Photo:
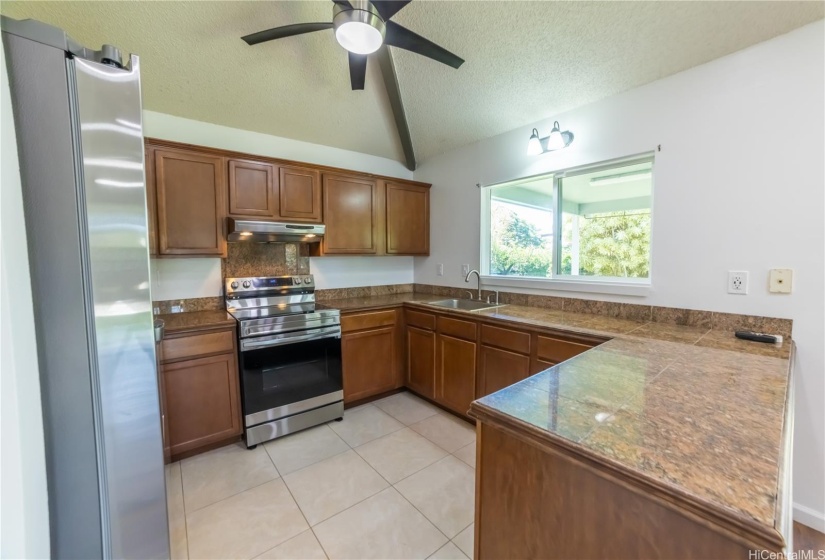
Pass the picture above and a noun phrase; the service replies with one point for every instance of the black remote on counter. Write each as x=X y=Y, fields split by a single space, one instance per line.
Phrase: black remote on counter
x=755 y=336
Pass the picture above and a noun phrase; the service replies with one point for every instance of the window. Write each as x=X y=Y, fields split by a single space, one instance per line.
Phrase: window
x=589 y=224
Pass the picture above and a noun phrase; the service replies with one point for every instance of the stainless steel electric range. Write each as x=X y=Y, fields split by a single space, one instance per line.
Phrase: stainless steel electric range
x=289 y=355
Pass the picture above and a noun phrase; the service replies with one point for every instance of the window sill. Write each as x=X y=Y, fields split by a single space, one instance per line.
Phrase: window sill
x=565 y=285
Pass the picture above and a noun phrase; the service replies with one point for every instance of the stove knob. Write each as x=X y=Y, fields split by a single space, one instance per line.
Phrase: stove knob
x=296 y=281
x=307 y=280
x=246 y=283
x=234 y=285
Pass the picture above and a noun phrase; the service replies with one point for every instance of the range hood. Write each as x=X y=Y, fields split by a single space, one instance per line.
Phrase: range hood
x=263 y=231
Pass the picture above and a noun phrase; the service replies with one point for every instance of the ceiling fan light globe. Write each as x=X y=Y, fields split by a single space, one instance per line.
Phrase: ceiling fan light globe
x=358 y=31
x=358 y=37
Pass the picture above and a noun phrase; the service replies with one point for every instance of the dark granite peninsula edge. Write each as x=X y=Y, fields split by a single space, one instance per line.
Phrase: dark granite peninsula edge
x=673 y=451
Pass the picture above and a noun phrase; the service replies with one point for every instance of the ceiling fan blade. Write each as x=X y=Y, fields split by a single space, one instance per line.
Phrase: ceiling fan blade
x=388 y=8
x=357 y=70
x=285 y=31
x=403 y=38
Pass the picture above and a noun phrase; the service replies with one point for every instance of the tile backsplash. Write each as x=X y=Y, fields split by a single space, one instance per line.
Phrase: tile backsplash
x=265 y=259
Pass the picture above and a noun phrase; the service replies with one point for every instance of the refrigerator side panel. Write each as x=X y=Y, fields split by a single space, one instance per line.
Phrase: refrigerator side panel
x=40 y=94
x=109 y=119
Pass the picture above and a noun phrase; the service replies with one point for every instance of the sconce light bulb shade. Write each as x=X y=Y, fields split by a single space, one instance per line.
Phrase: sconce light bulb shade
x=534 y=144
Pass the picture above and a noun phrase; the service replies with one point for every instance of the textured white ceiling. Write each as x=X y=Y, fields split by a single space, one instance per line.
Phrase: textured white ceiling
x=525 y=61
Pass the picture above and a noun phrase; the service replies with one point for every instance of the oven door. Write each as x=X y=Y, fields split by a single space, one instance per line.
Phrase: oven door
x=286 y=374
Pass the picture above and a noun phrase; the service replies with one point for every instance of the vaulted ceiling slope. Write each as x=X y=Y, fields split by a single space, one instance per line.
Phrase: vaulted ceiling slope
x=525 y=61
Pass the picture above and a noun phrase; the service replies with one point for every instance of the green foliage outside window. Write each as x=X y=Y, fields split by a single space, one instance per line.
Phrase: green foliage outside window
x=615 y=244
x=517 y=248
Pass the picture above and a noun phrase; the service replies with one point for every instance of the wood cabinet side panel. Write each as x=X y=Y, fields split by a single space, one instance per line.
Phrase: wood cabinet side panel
x=534 y=504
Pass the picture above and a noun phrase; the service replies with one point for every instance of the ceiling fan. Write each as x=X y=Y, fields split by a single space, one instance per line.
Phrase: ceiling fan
x=361 y=27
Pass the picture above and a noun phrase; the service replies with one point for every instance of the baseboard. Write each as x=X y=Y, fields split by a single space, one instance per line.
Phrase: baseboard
x=807 y=516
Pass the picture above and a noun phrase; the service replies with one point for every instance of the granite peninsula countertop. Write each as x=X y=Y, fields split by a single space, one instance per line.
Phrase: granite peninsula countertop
x=195 y=320
x=693 y=411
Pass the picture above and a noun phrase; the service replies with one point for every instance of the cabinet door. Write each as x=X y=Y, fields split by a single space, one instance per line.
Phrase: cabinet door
x=368 y=359
x=351 y=216
x=500 y=368
x=191 y=203
x=540 y=365
x=421 y=361
x=299 y=194
x=455 y=385
x=408 y=219
x=252 y=189
x=202 y=401
x=151 y=200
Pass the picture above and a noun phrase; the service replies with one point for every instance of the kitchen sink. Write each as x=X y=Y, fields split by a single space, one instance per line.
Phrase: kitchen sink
x=463 y=304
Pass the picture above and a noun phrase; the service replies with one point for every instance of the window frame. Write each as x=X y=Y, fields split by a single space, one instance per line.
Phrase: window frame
x=558 y=281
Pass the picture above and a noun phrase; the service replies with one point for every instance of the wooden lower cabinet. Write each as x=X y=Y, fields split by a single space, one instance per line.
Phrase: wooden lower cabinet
x=421 y=361
x=200 y=391
x=499 y=368
x=369 y=360
x=202 y=399
x=455 y=385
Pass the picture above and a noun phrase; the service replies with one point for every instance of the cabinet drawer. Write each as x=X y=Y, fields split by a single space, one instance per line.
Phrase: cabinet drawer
x=557 y=350
x=514 y=341
x=420 y=320
x=361 y=321
x=457 y=328
x=197 y=345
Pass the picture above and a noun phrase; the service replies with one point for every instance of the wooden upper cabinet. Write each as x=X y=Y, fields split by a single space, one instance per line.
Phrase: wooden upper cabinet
x=252 y=190
x=299 y=194
x=408 y=219
x=151 y=203
x=190 y=192
x=351 y=216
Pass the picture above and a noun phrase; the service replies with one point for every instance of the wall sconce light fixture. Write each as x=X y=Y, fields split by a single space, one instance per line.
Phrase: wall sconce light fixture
x=556 y=141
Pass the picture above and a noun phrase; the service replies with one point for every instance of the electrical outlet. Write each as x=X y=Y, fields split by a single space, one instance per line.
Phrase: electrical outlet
x=465 y=269
x=439 y=269
x=738 y=282
x=781 y=281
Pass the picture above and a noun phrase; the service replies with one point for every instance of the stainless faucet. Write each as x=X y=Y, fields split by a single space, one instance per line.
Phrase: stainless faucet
x=478 y=276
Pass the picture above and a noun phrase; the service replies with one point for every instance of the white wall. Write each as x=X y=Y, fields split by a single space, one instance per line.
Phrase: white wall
x=349 y=272
x=191 y=278
x=738 y=186
x=194 y=278
x=24 y=508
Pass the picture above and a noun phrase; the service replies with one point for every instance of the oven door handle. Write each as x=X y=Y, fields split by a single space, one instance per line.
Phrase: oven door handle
x=290 y=338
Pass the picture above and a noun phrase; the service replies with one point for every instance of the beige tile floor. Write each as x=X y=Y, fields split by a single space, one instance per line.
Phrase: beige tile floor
x=395 y=479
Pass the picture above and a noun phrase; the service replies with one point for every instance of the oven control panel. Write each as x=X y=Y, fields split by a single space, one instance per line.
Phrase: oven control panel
x=268 y=283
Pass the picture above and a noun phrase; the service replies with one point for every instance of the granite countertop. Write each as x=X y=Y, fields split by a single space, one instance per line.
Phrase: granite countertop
x=375 y=302
x=691 y=410
x=195 y=320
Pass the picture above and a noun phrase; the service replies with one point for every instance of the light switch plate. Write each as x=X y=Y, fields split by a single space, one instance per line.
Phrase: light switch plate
x=465 y=269
x=439 y=269
x=781 y=281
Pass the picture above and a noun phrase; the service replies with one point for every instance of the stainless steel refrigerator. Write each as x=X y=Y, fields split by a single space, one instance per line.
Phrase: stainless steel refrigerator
x=78 y=123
